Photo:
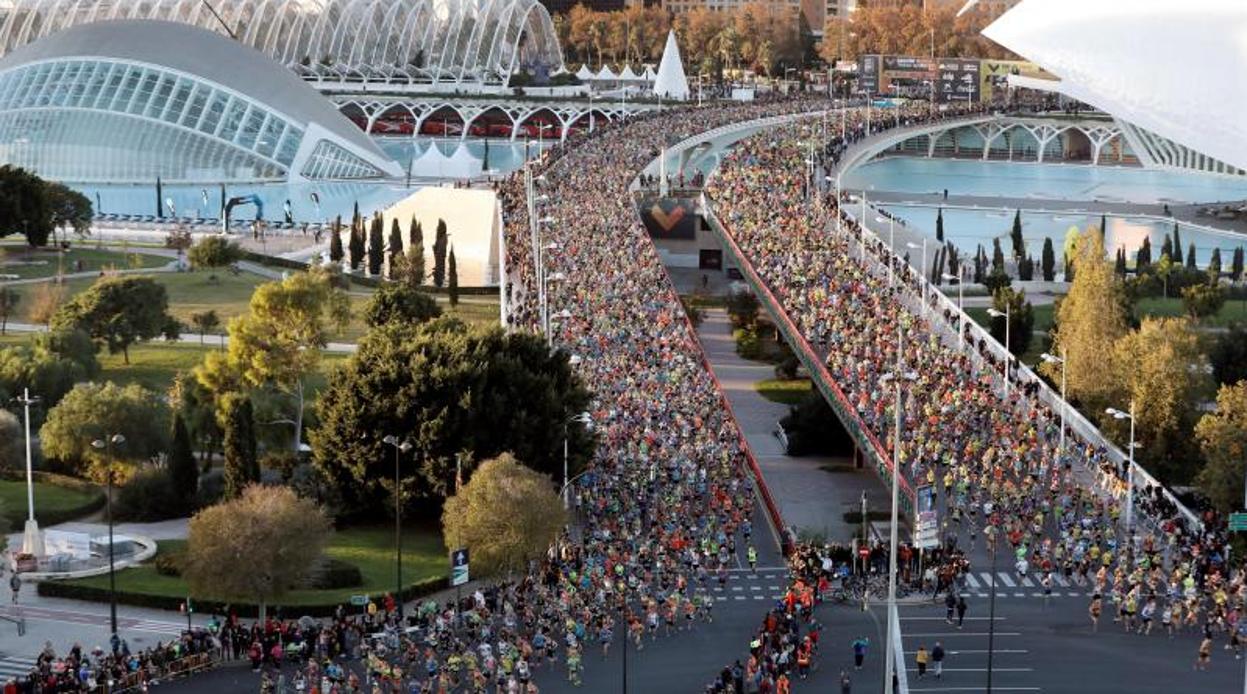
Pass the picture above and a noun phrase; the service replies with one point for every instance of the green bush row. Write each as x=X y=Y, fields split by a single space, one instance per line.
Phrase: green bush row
x=76 y=591
x=334 y=575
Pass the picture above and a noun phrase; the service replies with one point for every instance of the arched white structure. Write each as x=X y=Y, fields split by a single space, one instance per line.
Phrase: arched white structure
x=432 y=41
x=130 y=101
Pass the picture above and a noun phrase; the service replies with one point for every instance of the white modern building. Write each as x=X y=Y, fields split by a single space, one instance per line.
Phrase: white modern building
x=130 y=101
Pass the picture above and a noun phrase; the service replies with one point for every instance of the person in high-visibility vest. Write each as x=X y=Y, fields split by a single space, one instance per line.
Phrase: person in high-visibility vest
x=752 y=554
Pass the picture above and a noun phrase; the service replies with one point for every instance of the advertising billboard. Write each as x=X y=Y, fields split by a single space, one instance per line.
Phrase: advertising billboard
x=957 y=79
x=994 y=75
x=868 y=68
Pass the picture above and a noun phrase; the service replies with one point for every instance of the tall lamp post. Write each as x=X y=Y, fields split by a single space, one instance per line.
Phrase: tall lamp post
x=1118 y=414
x=1008 y=354
x=1053 y=359
x=400 y=447
x=896 y=377
x=961 y=323
x=106 y=445
x=32 y=540
x=583 y=418
x=926 y=271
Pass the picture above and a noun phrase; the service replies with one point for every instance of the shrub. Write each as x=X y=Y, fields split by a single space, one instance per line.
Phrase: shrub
x=149 y=496
x=169 y=563
x=742 y=308
x=335 y=574
x=211 y=488
x=748 y=344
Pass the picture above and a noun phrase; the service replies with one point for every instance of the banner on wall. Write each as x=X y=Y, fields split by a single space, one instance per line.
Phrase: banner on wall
x=957 y=79
x=868 y=69
x=994 y=75
x=669 y=218
x=926 y=519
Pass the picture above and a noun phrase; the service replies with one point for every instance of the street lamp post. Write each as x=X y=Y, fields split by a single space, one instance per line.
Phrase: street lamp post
x=583 y=418
x=107 y=446
x=1008 y=354
x=1053 y=359
x=1118 y=414
x=896 y=377
x=961 y=322
x=925 y=270
x=400 y=447
x=32 y=541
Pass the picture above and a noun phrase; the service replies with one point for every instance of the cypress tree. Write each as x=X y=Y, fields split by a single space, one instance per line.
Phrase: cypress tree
x=1069 y=268
x=1019 y=245
x=376 y=246
x=241 y=466
x=1177 y=245
x=395 y=247
x=440 y=241
x=1214 y=266
x=1048 y=260
x=1026 y=268
x=1143 y=259
x=954 y=260
x=1103 y=225
x=1190 y=256
x=182 y=469
x=415 y=252
x=452 y=278
x=980 y=260
x=335 y=241
x=356 y=244
x=998 y=256
x=939 y=225
x=1166 y=247
x=1236 y=265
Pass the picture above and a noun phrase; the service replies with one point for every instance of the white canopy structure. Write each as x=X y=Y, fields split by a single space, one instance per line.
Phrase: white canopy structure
x=649 y=74
x=606 y=74
x=670 y=81
x=584 y=73
x=628 y=75
x=1189 y=92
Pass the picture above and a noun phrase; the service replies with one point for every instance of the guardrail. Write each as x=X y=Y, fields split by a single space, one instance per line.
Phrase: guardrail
x=845 y=412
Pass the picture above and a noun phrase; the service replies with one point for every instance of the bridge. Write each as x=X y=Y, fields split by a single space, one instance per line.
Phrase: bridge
x=407 y=114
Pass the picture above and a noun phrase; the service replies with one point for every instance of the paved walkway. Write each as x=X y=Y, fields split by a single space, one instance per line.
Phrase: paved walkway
x=813 y=492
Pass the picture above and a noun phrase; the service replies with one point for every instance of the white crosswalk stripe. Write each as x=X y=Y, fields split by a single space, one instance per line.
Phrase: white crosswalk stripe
x=1026 y=581
x=13 y=667
x=971 y=580
x=1004 y=578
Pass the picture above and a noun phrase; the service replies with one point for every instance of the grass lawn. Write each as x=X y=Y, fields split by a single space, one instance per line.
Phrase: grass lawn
x=784 y=391
x=52 y=502
x=154 y=364
x=46 y=262
x=1159 y=307
x=189 y=292
x=369 y=548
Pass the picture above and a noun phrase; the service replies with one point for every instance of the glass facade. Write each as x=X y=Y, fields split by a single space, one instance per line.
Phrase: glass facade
x=382 y=40
x=112 y=120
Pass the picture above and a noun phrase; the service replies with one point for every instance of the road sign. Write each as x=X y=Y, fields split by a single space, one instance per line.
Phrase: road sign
x=927 y=525
x=1238 y=521
x=459 y=566
x=359 y=600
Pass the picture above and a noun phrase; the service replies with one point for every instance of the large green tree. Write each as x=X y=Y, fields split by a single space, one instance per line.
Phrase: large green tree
x=1228 y=355
x=453 y=390
x=1222 y=436
x=69 y=208
x=119 y=311
x=49 y=365
x=278 y=342
x=1090 y=319
x=440 y=241
x=94 y=411
x=24 y=205
x=506 y=515
x=183 y=473
x=214 y=251
x=400 y=302
x=1021 y=319
x=376 y=246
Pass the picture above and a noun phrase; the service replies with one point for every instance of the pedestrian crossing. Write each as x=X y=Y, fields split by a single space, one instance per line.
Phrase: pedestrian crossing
x=15 y=667
x=771 y=583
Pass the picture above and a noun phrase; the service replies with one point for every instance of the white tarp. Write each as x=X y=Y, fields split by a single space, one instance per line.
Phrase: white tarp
x=584 y=73
x=628 y=74
x=670 y=81
x=649 y=73
x=606 y=74
x=1175 y=69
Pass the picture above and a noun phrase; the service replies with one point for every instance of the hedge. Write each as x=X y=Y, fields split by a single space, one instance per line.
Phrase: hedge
x=74 y=591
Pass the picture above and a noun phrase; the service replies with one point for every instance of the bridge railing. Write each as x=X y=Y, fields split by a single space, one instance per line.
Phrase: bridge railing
x=866 y=440
x=1075 y=421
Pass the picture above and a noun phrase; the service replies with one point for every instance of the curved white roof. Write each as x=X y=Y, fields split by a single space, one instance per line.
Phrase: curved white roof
x=166 y=78
x=437 y=40
x=1175 y=69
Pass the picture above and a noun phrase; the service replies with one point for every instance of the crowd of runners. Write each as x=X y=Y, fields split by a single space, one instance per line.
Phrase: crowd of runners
x=994 y=459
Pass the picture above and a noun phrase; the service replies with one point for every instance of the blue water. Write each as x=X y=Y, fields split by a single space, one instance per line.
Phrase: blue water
x=1047 y=181
x=968 y=228
x=455 y=159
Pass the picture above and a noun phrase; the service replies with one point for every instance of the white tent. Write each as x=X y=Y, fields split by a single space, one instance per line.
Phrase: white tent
x=628 y=75
x=584 y=74
x=670 y=81
x=649 y=74
x=606 y=74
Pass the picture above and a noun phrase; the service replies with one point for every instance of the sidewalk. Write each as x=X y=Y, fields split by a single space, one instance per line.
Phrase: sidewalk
x=813 y=492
